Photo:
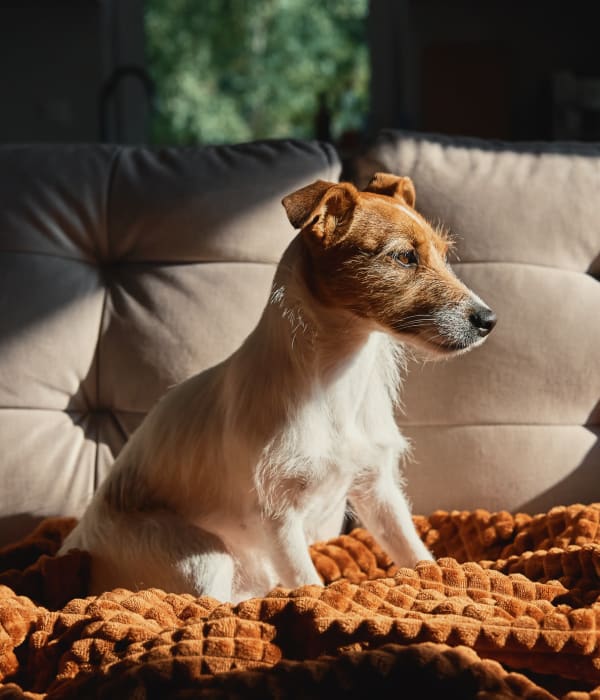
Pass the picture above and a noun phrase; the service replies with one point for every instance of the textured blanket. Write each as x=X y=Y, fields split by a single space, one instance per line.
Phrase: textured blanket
x=511 y=609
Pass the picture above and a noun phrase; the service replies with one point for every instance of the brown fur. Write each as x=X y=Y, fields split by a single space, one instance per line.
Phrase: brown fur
x=351 y=237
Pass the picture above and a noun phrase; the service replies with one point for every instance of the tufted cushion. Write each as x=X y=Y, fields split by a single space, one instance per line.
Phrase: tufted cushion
x=515 y=423
x=123 y=271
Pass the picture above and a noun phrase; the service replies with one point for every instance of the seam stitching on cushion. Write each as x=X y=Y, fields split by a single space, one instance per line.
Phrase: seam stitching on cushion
x=97 y=353
x=116 y=159
x=73 y=411
x=126 y=261
x=182 y=263
x=49 y=255
x=109 y=188
x=523 y=264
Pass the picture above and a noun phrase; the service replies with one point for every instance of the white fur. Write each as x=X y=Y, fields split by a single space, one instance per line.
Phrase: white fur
x=238 y=469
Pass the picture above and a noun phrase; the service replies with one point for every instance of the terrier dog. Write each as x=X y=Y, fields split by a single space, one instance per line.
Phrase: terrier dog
x=236 y=470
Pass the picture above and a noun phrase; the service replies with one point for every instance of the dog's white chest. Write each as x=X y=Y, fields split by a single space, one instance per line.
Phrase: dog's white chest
x=332 y=439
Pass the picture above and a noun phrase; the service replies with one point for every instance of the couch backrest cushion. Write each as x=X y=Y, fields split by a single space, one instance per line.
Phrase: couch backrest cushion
x=122 y=272
x=515 y=423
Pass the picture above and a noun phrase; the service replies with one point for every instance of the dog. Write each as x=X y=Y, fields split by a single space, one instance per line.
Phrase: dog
x=238 y=469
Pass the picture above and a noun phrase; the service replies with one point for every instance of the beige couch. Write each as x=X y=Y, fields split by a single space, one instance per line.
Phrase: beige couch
x=514 y=425
x=124 y=270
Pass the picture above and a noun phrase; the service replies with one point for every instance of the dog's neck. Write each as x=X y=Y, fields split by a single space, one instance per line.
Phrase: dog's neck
x=301 y=346
x=320 y=339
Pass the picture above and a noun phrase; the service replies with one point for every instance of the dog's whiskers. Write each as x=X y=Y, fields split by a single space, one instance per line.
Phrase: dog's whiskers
x=416 y=321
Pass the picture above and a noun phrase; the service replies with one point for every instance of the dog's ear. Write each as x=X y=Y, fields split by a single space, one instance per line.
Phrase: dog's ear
x=300 y=204
x=401 y=188
x=319 y=208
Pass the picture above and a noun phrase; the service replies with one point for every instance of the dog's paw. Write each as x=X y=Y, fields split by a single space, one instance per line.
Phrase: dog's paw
x=410 y=559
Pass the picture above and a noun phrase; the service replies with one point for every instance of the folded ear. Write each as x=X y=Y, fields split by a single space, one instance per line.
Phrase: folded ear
x=321 y=207
x=401 y=188
x=300 y=204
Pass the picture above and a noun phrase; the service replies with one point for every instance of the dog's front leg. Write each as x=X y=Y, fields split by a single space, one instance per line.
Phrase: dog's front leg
x=291 y=553
x=382 y=508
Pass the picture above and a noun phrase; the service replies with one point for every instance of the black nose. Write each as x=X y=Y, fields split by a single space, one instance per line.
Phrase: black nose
x=483 y=319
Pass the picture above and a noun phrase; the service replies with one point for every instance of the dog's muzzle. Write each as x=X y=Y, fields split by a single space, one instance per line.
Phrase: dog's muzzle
x=462 y=326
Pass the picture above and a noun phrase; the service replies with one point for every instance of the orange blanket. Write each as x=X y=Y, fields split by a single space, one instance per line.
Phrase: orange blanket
x=508 y=611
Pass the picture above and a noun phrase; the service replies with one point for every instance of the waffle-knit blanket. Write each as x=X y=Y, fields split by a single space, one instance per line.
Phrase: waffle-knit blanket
x=510 y=609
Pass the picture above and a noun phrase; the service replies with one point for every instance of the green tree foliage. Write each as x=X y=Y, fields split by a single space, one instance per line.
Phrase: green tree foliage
x=236 y=70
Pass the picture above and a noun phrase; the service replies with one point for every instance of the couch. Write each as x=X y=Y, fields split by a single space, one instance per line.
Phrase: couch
x=124 y=270
x=515 y=425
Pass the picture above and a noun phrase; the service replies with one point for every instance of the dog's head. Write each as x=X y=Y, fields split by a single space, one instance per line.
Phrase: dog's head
x=373 y=254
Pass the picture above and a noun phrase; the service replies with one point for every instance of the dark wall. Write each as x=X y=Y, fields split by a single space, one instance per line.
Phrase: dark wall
x=50 y=70
x=487 y=69
x=55 y=58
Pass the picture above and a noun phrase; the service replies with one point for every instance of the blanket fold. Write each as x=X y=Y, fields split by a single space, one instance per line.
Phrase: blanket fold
x=510 y=608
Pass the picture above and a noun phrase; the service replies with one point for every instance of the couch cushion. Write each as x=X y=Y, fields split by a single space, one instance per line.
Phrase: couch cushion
x=515 y=423
x=123 y=271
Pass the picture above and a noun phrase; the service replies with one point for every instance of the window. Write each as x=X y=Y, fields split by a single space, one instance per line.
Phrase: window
x=236 y=70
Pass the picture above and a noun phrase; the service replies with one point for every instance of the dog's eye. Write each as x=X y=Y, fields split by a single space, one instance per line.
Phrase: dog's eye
x=406 y=258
